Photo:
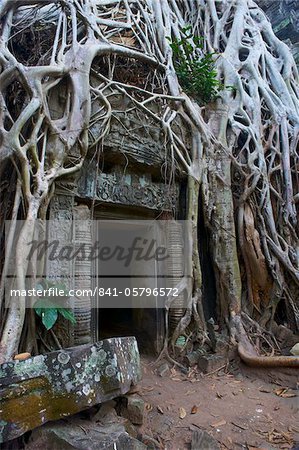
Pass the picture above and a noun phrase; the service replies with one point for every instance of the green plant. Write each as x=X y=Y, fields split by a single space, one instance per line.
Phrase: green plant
x=195 y=70
x=48 y=308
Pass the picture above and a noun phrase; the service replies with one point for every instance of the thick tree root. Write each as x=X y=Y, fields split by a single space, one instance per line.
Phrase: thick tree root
x=252 y=359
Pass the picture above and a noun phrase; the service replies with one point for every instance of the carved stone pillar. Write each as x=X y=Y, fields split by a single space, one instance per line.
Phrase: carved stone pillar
x=82 y=272
x=175 y=271
x=60 y=229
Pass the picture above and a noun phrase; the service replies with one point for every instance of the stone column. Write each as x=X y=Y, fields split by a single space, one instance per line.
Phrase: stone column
x=175 y=270
x=82 y=274
x=61 y=271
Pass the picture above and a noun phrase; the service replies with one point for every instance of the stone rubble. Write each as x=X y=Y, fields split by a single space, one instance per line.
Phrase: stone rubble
x=65 y=382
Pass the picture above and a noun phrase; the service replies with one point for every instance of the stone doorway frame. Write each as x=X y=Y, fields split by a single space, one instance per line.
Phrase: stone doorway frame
x=129 y=215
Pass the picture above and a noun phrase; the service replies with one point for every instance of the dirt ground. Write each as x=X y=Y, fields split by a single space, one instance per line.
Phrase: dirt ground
x=240 y=407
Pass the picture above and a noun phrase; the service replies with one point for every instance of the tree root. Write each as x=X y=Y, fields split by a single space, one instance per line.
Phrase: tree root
x=252 y=359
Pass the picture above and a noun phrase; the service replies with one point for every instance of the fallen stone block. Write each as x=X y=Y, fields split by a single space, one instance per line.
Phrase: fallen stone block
x=161 y=425
x=62 y=383
x=209 y=363
x=151 y=443
x=107 y=415
x=192 y=357
x=285 y=336
x=77 y=434
x=222 y=345
x=201 y=440
x=295 y=350
x=163 y=370
x=132 y=408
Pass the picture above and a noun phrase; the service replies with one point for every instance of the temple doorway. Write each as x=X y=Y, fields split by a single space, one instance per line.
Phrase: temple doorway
x=116 y=312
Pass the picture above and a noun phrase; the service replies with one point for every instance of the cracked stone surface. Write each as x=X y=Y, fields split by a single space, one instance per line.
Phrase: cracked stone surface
x=62 y=383
x=78 y=434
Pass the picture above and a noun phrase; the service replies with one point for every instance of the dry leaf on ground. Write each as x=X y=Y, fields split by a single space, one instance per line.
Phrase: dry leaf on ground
x=284 y=393
x=277 y=437
x=182 y=413
x=218 y=424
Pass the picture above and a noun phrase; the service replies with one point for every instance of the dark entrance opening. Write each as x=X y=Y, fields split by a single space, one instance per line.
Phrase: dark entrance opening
x=208 y=275
x=123 y=314
x=131 y=322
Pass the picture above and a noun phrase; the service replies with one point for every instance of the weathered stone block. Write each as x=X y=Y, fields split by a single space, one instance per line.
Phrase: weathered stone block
x=295 y=350
x=163 y=370
x=77 y=434
x=192 y=358
x=222 y=345
x=132 y=407
x=151 y=443
x=58 y=384
x=201 y=440
x=162 y=425
x=285 y=336
x=107 y=415
x=209 y=363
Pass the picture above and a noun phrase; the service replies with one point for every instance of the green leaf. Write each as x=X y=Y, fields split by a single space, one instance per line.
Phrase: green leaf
x=44 y=303
x=195 y=68
x=67 y=314
x=198 y=41
x=39 y=311
x=49 y=317
x=175 y=48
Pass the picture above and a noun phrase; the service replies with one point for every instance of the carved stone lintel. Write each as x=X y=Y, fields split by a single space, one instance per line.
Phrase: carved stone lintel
x=145 y=146
x=127 y=190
